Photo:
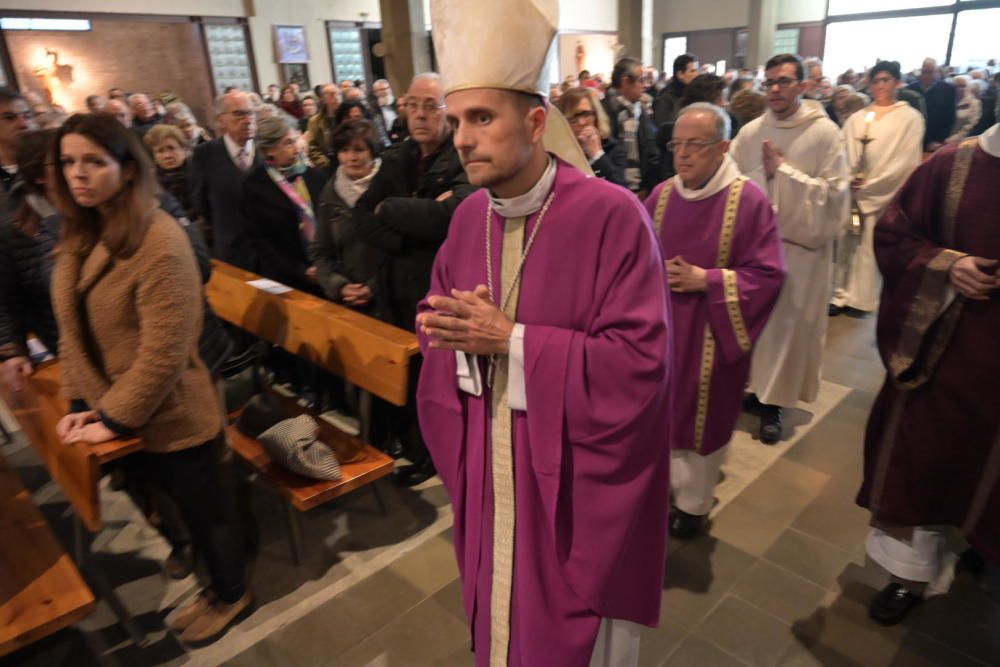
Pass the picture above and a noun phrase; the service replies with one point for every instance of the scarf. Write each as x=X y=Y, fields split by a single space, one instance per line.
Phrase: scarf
x=297 y=193
x=351 y=190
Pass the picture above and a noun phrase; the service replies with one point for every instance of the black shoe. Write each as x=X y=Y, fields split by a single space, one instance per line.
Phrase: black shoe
x=752 y=404
x=684 y=526
x=971 y=561
x=394 y=448
x=770 y=424
x=893 y=604
x=414 y=474
x=180 y=563
x=833 y=310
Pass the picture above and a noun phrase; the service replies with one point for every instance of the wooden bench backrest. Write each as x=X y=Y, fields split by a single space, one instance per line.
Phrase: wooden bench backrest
x=76 y=468
x=41 y=591
x=367 y=352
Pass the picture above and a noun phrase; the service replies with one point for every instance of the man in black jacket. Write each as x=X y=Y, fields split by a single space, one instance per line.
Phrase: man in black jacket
x=632 y=125
x=668 y=102
x=405 y=215
x=942 y=102
x=218 y=168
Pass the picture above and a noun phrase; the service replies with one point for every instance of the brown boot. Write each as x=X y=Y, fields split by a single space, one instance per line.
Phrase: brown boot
x=181 y=617
x=214 y=622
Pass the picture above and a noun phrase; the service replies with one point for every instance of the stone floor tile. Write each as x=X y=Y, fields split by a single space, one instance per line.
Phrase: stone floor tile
x=746 y=529
x=450 y=597
x=697 y=577
x=833 y=520
x=742 y=630
x=820 y=562
x=779 y=592
x=429 y=567
x=965 y=619
x=696 y=652
x=783 y=490
x=656 y=644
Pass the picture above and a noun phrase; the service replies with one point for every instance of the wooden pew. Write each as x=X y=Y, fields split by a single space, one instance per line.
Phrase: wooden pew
x=75 y=468
x=369 y=353
x=364 y=351
x=41 y=591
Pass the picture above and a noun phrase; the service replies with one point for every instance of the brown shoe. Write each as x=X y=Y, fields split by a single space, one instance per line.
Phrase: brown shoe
x=214 y=622
x=181 y=617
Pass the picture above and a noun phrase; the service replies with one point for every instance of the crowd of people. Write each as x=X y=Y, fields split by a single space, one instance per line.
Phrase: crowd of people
x=777 y=200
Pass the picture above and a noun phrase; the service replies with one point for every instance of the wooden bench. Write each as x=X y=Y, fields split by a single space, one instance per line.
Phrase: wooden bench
x=366 y=352
x=75 y=468
x=41 y=591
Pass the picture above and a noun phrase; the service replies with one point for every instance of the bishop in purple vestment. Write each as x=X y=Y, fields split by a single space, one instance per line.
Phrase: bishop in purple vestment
x=725 y=268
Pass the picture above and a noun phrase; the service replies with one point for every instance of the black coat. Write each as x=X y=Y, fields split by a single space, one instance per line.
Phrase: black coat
x=217 y=195
x=611 y=165
x=273 y=228
x=650 y=158
x=410 y=224
x=942 y=103
x=340 y=256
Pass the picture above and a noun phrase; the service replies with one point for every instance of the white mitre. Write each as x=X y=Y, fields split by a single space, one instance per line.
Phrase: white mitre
x=505 y=45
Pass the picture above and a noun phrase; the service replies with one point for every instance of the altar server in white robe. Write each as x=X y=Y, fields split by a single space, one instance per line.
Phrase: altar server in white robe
x=796 y=153
x=884 y=145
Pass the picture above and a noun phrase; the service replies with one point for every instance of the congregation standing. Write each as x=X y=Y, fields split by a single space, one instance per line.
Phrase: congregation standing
x=699 y=230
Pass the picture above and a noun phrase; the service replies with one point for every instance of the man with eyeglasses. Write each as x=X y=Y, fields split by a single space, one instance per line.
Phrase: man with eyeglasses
x=405 y=214
x=796 y=153
x=321 y=127
x=725 y=269
x=16 y=118
x=631 y=117
x=218 y=168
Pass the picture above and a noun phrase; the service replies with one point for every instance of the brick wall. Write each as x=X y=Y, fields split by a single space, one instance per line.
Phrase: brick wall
x=137 y=56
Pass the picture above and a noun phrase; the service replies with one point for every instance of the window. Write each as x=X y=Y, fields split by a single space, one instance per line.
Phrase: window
x=673 y=47
x=348 y=53
x=229 y=56
x=859 y=44
x=975 y=38
x=841 y=7
x=44 y=24
x=786 y=41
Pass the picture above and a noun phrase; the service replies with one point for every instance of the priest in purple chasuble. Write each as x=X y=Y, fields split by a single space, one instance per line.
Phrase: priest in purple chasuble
x=932 y=447
x=725 y=268
x=543 y=396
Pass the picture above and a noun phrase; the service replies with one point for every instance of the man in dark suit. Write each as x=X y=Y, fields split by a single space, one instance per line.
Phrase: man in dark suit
x=942 y=101
x=383 y=106
x=218 y=168
x=405 y=214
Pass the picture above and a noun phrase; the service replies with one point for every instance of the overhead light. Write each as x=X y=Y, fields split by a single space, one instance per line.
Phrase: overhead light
x=44 y=24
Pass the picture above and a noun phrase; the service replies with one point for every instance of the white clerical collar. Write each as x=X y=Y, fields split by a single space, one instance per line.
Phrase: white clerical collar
x=724 y=175
x=989 y=140
x=530 y=201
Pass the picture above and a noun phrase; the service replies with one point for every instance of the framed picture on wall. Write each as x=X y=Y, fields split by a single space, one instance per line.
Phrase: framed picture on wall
x=290 y=44
x=296 y=73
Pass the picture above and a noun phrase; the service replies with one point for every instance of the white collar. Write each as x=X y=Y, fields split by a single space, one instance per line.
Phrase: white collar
x=989 y=140
x=723 y=176
x=234 y=149
x=530 y=201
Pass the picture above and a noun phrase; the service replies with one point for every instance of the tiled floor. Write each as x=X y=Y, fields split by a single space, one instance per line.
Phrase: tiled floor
x=780 y=579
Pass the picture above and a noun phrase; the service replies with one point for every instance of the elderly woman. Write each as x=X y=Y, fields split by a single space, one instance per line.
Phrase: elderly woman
x=171 y=149
x=182 y=116
x=280 y=198
x=968 y=111
x=345 y=265
x=590 y=124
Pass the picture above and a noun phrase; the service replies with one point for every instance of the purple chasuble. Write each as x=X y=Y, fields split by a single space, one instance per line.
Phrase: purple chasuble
x=591 y=473
x=709 y=375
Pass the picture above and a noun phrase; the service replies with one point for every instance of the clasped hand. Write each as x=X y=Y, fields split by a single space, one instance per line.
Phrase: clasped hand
x=684 y=277
x=975 y=277
x=85 y=427
x=467 y=321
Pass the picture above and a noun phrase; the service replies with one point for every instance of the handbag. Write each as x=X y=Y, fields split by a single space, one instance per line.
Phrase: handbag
x=293 y=444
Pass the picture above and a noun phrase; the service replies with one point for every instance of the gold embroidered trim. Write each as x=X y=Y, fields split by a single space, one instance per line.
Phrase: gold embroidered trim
x=956 y=186
x=661 y=206
x=729 y=221
x=502 y=440
x=704 y=386
x=732 y=291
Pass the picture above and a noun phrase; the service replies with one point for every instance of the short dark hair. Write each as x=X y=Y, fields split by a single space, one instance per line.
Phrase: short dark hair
x=525 y=102
x=624 y=68
x=341 y=115
x=890 y=67
x=704 y=88
x=682 y=61
x=785 y=58
x=33 y=151
x=351 y=131
x=584 y=74
x=8 y=95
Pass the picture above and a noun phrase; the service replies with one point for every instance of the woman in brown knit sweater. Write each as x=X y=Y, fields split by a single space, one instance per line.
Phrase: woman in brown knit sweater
x=127 y=296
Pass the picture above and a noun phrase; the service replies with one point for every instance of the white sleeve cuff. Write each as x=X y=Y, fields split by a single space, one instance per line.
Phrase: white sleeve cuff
x=517 y=394
x=597 y=157
x=469 y=378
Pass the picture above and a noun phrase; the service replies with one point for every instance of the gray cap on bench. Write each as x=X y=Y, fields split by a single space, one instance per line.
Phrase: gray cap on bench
x=293 y=444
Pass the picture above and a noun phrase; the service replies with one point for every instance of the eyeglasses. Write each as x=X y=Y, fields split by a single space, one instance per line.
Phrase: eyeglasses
x=694 y=145
x=10 y=116
x=783 y=82
x=241 y=114
x=426 y=107
x=581 y=116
